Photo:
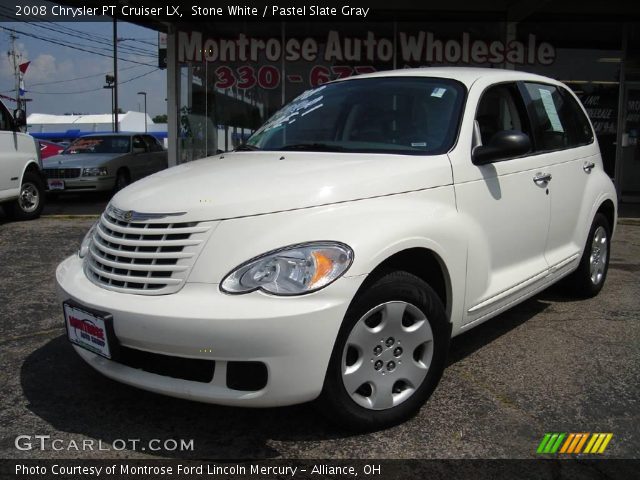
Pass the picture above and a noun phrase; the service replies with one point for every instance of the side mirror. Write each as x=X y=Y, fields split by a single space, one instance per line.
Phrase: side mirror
x=139 y=150
x=503 y=145
x=19 y=117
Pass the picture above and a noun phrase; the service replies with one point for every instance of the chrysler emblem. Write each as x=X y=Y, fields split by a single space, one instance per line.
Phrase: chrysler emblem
x=129 y=215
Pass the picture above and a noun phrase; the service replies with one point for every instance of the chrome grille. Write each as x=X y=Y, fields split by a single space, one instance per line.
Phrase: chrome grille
x=61 y=172
x=143 y=257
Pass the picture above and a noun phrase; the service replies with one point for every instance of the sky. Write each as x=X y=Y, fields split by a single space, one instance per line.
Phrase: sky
x=57 y=74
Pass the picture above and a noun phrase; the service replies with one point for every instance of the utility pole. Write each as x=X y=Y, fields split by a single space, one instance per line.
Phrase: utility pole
x=15 y=60
x=115 y=72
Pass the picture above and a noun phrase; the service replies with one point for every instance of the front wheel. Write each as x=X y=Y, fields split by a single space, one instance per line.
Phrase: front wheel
x=30 y=201
x=588 y=279
x=389 y=355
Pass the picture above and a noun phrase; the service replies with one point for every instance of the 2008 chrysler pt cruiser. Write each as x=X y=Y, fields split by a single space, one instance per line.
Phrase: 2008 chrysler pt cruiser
x=335 y=254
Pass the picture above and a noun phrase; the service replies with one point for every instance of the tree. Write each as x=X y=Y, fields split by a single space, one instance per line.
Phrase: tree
x=160 y=118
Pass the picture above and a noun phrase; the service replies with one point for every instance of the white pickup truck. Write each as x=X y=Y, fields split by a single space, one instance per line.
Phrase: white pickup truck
x=22 y=188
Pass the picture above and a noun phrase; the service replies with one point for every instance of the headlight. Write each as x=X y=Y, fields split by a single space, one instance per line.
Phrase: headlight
x=86 y=241
x=95 y=172
x=293 y=270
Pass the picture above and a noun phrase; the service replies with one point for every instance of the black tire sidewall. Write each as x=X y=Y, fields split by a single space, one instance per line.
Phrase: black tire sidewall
x=581 y=283
x=394 y=286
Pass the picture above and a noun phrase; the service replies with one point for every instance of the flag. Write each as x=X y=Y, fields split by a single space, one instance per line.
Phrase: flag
x=22 y=90
x=23 y=67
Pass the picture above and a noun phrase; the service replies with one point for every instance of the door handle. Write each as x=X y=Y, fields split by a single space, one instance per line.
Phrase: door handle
x=542 y=178
x=588 y=166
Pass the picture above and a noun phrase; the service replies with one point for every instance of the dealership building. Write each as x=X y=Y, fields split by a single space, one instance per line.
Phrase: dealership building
x=225 y=77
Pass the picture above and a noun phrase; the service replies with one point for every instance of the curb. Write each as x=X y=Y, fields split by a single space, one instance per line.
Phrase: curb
x=71 y=217
x=629 y=221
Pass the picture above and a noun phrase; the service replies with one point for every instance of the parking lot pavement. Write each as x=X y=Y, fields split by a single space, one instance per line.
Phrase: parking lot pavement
x=76 y=204
x=548 y=365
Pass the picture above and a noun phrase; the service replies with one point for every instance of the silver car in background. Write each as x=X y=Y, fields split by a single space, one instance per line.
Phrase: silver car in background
x=104 y=162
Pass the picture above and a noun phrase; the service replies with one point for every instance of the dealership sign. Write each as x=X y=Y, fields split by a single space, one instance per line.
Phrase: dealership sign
x=411 y=49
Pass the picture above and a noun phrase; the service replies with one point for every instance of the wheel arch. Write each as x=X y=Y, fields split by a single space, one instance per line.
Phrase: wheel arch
x=125 y=169
x=31 y=167
x=425 y=264
x=608 y=209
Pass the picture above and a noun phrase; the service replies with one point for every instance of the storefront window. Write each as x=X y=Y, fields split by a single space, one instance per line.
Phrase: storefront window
x=236 y=76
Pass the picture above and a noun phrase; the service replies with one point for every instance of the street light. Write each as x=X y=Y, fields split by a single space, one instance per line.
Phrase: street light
x=145 y=110
x=110 y=80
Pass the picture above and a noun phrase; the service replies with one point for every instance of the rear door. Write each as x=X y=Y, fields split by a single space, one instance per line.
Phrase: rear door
x=157 y=155
x=140 y=158
x=505 y=208
x=564 y=140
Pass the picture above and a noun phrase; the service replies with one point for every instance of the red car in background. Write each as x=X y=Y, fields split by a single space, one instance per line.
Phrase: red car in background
x=49 y=149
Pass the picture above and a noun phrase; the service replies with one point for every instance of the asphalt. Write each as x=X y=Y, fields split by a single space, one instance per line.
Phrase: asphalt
x=550 y=364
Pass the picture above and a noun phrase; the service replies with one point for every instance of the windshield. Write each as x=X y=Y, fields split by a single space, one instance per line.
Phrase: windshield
x=106 y=144
x=406 y=115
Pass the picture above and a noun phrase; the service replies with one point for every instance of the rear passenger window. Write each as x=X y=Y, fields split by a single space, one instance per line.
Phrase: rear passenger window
x=558 y=120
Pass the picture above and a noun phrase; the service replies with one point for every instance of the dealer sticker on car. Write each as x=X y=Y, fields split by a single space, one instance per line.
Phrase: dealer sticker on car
x=87 y=330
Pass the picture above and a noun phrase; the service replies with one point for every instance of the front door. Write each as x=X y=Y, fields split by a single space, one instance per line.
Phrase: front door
x=506 y=207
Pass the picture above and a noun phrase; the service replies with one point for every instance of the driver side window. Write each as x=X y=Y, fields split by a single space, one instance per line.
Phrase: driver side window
x=499 y=110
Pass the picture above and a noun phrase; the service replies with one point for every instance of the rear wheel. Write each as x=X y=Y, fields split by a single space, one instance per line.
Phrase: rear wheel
x=30 y=201
x=389 y=355
x=588 y=279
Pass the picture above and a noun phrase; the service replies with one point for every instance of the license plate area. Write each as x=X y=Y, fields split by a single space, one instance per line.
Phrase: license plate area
x=55 y=184
x=90 y=329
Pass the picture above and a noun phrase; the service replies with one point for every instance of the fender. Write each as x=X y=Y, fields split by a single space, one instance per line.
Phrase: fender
x=375 y=229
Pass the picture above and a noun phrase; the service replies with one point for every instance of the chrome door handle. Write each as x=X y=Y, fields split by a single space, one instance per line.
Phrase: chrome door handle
x=588 y=166
x=542 y=178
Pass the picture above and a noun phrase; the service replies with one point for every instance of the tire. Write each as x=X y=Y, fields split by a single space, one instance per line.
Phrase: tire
x=30 y=201
x=397 y=318
x=122 y=180
x=589 y=277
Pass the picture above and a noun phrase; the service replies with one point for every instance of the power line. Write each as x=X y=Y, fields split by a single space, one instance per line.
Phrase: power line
x=126 y=49
x=75 y=47
x=95 y=89
x=67 y=80
x=81 y=78
x=92 y=37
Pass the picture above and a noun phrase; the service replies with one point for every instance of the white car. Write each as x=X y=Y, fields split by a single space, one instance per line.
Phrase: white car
x=335 y=254
x=22 y=184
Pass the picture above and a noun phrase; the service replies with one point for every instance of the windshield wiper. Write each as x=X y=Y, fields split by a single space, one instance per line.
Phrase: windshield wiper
x=311 y=147
x=246 y=148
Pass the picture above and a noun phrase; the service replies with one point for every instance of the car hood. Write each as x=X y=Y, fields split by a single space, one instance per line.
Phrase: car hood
x=78 y=160
x=254 y=183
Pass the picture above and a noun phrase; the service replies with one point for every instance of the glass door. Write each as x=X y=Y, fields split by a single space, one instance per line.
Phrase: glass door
x=629 y=152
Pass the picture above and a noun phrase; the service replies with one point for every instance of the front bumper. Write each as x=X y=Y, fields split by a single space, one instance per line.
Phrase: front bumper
x=87 y=184
x=292 y=336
